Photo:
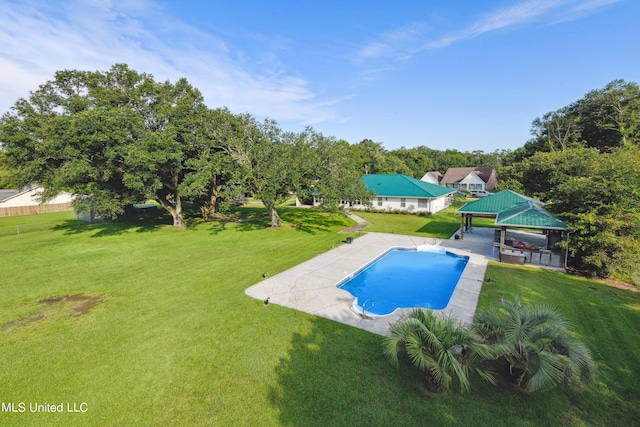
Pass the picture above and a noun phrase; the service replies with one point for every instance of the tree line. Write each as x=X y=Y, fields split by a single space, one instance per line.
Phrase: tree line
x=114 y=134
x=120 y=137
x=584 y=161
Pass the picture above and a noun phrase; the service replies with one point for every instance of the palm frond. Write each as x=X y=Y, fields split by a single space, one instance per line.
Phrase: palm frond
x=435 y=345
x=537 y=343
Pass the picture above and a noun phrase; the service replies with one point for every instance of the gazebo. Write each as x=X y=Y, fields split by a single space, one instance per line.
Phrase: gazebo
x=512 y=210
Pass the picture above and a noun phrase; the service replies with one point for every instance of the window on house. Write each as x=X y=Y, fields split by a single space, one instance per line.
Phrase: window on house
x=379 y=201
x=423 y=203
x=403 y=203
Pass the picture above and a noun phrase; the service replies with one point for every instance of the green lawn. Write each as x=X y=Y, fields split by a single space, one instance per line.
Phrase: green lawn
x=441 y=225
x=604 y=318
x=173 y=339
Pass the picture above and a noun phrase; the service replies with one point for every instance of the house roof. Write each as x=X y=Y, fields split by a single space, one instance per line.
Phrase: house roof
x=514 y=209
x=497 y=203
x=7 y=194
x=529 y=215
x=453 y=175
x=436 y=175
x=397 y=185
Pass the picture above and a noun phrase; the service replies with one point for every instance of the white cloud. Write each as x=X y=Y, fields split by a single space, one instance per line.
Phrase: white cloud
x=404 y=42
x=594 y=4
x=517 y=14
x=547 y=11
x=393 y=43
x=40 y=38
x=583 y=9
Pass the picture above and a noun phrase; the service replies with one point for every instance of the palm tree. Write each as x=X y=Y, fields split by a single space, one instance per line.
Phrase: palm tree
x=439 y=346
x=537 y=343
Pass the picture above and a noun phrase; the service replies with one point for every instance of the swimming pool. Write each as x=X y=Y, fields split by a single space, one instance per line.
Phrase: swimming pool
x=405 y=278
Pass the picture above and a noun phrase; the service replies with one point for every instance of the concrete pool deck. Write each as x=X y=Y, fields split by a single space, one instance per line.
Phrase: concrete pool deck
x=311 y=286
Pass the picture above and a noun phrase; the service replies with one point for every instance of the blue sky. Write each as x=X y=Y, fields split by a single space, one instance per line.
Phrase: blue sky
x=468 y=75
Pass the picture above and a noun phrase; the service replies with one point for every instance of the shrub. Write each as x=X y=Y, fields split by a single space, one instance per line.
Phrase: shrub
x=537 y=344
x=439 y=346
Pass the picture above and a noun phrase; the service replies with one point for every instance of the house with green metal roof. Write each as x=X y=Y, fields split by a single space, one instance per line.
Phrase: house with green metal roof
x=512 y=210
x=401 y=192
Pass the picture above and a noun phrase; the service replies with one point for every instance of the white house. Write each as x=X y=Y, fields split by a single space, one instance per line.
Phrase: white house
x=26 y=200
x=470 y=178
x=405 y=193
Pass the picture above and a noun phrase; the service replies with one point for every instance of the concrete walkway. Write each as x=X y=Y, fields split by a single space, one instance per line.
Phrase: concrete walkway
x=311 y=286
x=360 y=224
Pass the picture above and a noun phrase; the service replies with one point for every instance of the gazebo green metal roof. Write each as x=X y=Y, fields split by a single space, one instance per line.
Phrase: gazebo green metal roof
x=397 y=185
x=497 y=203
x=512 y=209
x=529 y=215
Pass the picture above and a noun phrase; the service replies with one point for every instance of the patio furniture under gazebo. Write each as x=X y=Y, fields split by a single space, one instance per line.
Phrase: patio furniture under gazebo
x=513 y=211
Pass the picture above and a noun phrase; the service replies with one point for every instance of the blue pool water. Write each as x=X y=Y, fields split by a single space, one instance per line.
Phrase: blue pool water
x=407 y=278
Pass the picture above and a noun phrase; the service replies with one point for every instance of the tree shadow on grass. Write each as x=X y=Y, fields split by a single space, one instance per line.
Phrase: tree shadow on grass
x=251 y=218
x=141 y=223
x=245 y=219
x=216 y=227
x=312 y=221
x=337 y=375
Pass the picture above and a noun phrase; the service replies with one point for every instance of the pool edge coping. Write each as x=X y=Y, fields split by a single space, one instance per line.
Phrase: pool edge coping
x=311 y=286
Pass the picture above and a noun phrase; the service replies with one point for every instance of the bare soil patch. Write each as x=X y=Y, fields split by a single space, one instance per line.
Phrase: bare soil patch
x=74 y=305
x=24 y=321
x=82 y=302
x=620 y=285
x=51 y=300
